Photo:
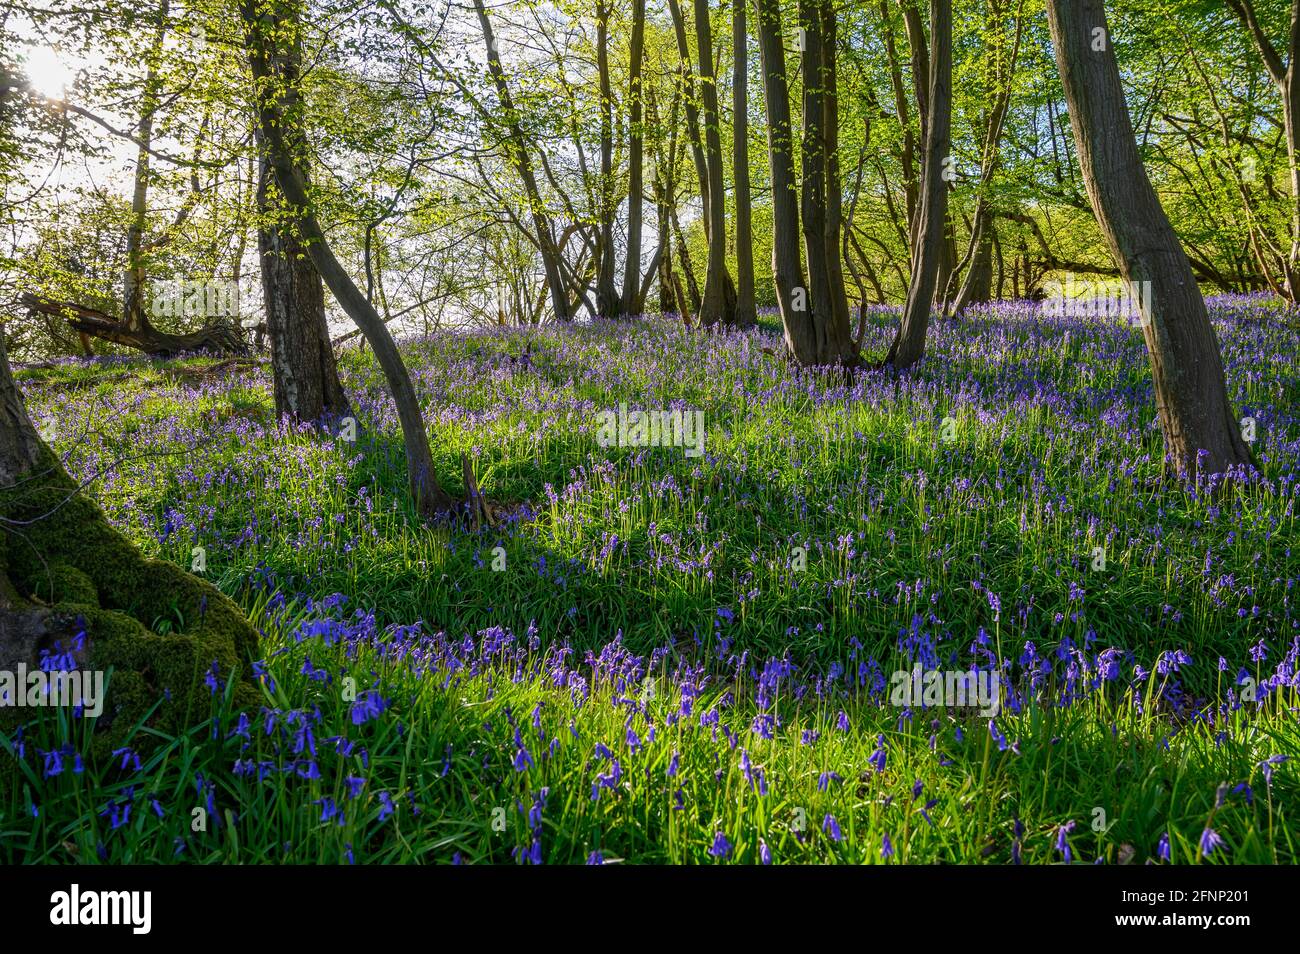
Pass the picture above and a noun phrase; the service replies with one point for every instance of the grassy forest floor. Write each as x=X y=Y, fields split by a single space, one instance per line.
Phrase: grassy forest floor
x=663 y=658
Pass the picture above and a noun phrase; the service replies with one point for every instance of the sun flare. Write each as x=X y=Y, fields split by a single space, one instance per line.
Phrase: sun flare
x=49 y=72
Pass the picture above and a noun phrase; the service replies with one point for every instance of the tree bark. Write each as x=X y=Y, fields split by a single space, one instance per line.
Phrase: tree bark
x=635 y=156
x=1201 y=433
x=222 y=338
x=746 y=314
x=909 y=342
x=1287 y=79
x=813 y=204
x=305 y=376
x=832 y=226
x=20 y=444
x=519 y=158
x=67 y=574
x=265 y=36
x=135 y=275
x=787 y=268
x=692 y=102
x=607 y=298
x=714 y=307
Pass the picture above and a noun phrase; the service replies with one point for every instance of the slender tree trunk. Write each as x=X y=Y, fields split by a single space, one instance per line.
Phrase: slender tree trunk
x=833 y=224
x=813 y=204
x=665 y=194
x=746 y=314
x=787 y=268
x=693 y=103
x=135 y=275
x=714 y=307
x=269 y=37
x=911 y=186
x=1287 y=79
x=684 y=259
x=1001 y=71
x=519 y=158
x=635 y=152
x=909 y=342
x=607 y=299
x=1201 y=432
x=687 y=79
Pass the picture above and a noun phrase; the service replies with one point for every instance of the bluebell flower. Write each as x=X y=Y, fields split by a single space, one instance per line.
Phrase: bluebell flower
x=721 y=848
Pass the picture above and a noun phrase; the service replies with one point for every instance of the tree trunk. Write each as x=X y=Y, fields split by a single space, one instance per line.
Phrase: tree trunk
x=20 y=445
x=833 y=223
x=268 y=45
x=665 y=195
x=746 y=314
x=607 y=299
x=1201 y=433
x=787 y=268
x=697 y=149
x=66 y=574
x=909 y=342
x=635 y=152
x=222 y=338
x=303 y=371
x=135 y=275
x=519 y=158
x=714 y=307
x=911 y=188
x=813 y=205
x=977 y=287
x=1287 y=79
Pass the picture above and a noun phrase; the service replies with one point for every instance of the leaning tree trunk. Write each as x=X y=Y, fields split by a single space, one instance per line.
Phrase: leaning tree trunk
x=69 y=580
x=267 y=45
x=1201 y=432
x=909 y=342
x=746 y=314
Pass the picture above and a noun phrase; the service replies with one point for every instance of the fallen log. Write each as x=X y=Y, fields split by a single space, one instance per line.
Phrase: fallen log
x=222 y=338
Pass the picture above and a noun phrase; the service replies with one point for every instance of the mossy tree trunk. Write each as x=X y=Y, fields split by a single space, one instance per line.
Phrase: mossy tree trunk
x=68 y=577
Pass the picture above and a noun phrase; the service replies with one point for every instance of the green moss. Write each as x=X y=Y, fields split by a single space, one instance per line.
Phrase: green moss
x=70 y=585
x=70 y=558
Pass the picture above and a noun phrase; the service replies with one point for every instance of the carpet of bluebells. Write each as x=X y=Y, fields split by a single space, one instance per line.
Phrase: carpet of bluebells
x=661 y=658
